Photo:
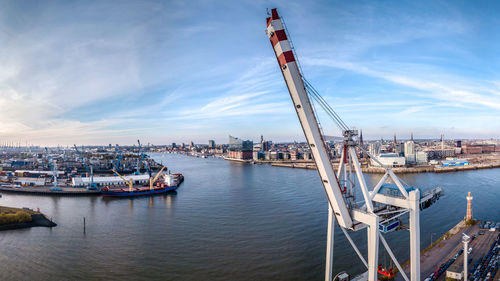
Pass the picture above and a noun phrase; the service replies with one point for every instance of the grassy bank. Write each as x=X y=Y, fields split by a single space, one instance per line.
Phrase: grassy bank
x=15 y=218
x=14 y=215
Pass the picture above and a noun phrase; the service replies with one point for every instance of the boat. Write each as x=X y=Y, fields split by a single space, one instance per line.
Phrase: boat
x=162 y=183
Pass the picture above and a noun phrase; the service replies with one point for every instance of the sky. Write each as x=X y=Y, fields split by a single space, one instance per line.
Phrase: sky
x=99 y=72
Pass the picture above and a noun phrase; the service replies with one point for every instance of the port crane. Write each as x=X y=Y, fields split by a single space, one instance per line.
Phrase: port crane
x=90 y=172
x=116 y=161
x=152 y=180
x=52 y=166
x=141 y=158
x=129 y=182
x=382 y=206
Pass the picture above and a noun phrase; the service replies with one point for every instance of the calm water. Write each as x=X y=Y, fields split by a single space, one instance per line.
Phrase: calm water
x=226 y=222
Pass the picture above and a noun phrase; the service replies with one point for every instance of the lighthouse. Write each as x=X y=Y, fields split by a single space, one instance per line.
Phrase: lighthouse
x=469 y=207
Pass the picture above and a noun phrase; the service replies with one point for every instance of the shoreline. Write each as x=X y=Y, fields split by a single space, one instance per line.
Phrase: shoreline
x=67 y=191
x=37 y=219
x=400 y=170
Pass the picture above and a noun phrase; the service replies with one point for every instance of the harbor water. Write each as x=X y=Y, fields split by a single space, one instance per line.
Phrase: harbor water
x=227 y=221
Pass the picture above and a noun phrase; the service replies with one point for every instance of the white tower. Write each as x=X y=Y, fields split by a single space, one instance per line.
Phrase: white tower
x=465 y=240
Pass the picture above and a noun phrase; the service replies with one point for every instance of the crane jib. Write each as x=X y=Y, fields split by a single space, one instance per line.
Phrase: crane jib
x=293 y=78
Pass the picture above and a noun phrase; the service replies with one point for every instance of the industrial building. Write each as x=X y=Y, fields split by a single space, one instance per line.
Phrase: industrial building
x=109 y=181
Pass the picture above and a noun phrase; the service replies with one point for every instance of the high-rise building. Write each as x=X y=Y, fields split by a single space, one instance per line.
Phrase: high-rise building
x=410 y=151
x=211 y=144
x=374 y=148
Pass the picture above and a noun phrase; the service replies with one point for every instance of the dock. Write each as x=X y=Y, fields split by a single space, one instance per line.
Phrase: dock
x=66 y=191
x=447 y=247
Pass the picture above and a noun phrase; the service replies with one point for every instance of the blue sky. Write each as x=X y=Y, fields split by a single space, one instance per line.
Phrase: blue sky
x=103 y=72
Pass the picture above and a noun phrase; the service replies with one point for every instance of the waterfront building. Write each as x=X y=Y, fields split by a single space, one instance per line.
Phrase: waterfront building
x=455 y=162
x=389 y=160
x=421 y=157
x=409 y=151
x=240 y=149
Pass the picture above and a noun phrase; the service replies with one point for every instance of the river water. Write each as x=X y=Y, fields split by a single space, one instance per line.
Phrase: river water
x=227 y=221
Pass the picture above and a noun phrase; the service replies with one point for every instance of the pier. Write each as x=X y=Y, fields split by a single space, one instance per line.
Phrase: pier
x=66 y=191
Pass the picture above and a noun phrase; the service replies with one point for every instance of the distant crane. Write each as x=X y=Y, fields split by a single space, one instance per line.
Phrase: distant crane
x=141 y=155
x=90 y=172
x=380 y=210
x=116 y=161
x=54 y=172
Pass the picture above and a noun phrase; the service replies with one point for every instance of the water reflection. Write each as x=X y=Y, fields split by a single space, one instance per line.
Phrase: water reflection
x=227 y=221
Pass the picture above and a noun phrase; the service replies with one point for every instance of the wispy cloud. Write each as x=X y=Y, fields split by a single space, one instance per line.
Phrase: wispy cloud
x=99 y=72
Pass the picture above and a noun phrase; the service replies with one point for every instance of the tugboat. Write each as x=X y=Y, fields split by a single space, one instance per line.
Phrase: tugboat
x=161 y=183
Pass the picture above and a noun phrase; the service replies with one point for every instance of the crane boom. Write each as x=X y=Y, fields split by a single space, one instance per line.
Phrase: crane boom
x=151 y=181
x=293 y=78
x=129 y=182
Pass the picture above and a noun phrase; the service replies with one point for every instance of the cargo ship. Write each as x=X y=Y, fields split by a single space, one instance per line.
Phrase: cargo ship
x=161 y=183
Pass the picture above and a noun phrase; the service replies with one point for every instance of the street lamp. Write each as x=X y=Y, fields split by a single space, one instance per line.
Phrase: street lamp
x=465 y=240
x=431 y=236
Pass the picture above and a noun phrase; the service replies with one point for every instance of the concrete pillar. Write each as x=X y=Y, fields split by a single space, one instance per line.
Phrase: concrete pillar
x=414 y=197
x=329 y=245
x=373 y=243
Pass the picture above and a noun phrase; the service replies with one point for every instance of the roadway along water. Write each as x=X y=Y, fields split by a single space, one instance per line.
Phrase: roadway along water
x=227 y=221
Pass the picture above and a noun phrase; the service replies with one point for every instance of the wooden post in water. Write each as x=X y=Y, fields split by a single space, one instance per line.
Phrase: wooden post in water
x=83 y=224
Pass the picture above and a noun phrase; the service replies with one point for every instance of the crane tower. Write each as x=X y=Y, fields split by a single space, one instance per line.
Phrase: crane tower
x=383 y=206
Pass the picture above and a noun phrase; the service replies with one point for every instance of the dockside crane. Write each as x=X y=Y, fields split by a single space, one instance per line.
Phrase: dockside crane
x=53 y=168
x=118 y=158
x=90 y=172
x=382 y=206
x=141 y=158
x=130 y=181
x=152 y=180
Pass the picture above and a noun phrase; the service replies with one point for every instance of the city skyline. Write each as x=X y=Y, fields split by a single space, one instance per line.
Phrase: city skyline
x=98 y=73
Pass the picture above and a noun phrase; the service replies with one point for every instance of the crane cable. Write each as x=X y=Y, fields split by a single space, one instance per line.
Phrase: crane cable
x=322 y=102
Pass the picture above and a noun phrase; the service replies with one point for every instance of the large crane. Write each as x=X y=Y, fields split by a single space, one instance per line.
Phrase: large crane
x=383 y=206
x=129 y=182
x=141 y=156
x=90 y=172
x=52 y=166
x=152 y=180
